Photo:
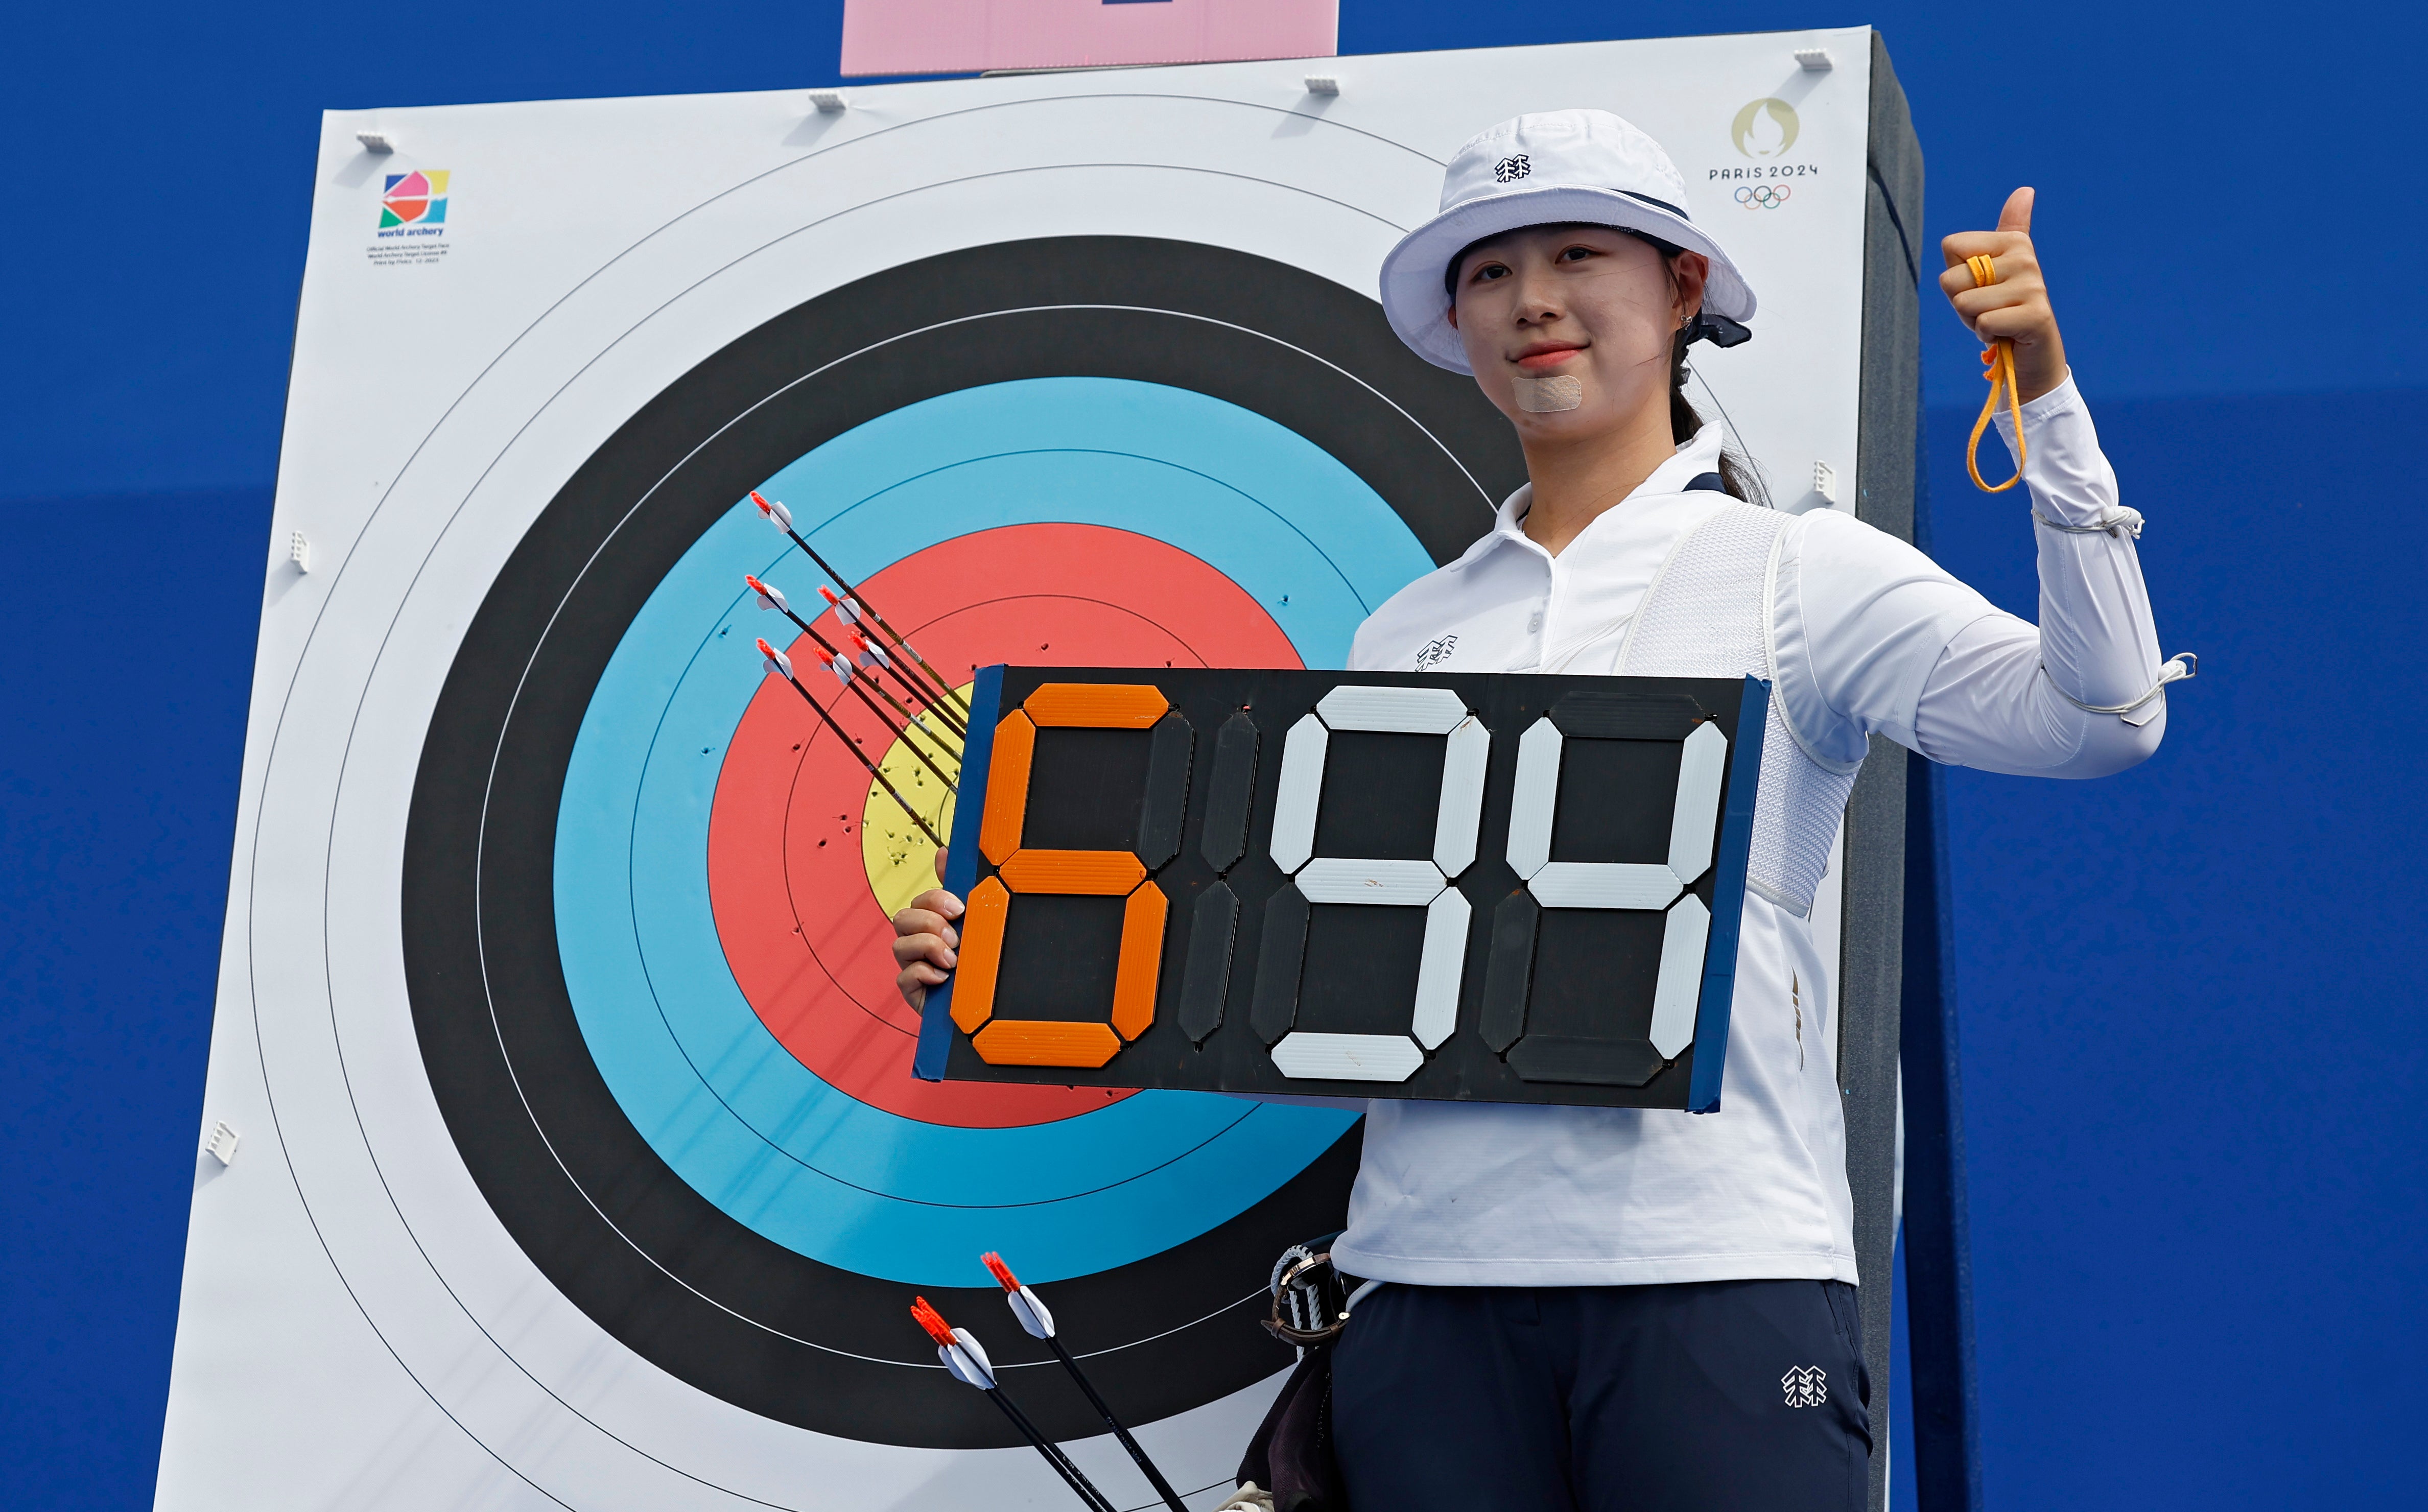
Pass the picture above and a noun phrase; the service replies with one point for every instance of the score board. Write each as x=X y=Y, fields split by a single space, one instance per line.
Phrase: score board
x=1487 y=887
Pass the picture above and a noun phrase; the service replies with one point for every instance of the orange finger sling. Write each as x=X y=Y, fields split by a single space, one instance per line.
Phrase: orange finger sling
x=1999 y=358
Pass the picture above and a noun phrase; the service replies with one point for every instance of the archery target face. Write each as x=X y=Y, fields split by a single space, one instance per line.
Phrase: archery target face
x=582 y=1163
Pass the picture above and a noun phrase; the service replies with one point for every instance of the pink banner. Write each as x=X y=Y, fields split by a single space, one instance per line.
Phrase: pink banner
x=971 y=36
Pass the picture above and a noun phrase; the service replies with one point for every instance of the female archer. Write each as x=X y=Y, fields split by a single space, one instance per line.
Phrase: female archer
x=1606 y=1308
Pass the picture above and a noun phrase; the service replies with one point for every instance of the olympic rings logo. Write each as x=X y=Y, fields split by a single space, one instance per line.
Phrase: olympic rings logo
x=1762 y=196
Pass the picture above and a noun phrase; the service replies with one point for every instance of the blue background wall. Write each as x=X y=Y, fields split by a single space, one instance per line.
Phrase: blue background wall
x=2193 y=1043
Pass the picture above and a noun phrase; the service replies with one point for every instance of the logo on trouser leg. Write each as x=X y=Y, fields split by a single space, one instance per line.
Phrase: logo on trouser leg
x=1807 y=1386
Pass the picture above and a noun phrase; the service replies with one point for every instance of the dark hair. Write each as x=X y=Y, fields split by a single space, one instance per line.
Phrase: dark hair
x=1737 y=473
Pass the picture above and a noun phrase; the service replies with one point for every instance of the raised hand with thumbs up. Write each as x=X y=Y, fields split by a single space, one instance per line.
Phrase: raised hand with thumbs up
x=2016 y=308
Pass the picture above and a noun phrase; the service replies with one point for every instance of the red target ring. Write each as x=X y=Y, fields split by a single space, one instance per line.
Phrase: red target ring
x=800 y=927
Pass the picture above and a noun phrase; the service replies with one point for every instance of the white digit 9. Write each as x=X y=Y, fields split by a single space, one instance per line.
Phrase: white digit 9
x=1425 y=884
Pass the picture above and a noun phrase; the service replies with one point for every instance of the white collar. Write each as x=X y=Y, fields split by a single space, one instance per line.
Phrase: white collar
x=1690 y=461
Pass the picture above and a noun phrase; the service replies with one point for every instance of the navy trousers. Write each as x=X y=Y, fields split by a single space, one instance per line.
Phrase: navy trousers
x=1712 y=1396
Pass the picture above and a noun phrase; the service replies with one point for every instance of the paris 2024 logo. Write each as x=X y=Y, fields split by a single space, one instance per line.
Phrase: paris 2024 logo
x=1765 y=130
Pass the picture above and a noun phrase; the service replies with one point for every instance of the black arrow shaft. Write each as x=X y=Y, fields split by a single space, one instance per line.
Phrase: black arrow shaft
x=874 y=770
x=907 y=716
x=915 y=687
x=917 y=690
x=1155 y=1476
x=909 y=719
x=853 y=593
x=1072 y=1475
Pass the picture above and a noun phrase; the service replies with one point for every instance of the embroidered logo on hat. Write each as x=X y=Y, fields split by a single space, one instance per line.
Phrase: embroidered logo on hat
x=1510 y=170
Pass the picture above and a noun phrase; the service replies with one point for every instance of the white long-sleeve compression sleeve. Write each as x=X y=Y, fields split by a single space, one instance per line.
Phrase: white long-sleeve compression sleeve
x=2006 y=696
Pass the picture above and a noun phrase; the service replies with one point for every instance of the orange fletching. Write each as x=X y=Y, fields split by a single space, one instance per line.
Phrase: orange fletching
x=932 y=1321
x=1002 y=1273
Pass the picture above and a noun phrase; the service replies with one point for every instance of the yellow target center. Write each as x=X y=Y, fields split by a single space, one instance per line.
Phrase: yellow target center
x=901 y=861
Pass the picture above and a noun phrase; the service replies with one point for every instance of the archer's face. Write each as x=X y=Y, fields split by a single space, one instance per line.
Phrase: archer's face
x=1585 y=304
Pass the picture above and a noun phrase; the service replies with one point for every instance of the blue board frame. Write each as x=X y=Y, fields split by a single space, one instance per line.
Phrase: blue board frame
x=1727 y=918
x=961 y=859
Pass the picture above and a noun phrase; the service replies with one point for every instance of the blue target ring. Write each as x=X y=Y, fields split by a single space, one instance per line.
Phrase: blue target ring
x=687 y=1058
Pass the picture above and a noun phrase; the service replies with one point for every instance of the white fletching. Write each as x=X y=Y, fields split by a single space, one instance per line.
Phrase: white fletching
x=772 y=596
x=780 y=665
x=841 y=668
x=967 y=1361
x=1031 y=1313
x=778 y=516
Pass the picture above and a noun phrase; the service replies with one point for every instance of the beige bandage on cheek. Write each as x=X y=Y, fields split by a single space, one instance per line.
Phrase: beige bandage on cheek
x=1548 y=396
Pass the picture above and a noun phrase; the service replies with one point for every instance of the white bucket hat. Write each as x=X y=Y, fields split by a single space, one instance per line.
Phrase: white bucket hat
x=1584 y=166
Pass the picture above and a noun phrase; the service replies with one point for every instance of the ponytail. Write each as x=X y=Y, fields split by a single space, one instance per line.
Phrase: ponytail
x=1737 y=474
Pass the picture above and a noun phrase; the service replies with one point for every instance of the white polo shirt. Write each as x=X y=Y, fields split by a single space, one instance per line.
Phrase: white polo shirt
x=1870 y=637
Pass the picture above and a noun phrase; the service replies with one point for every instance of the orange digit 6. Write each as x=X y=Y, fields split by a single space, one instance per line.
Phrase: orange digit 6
x=1003 y=1042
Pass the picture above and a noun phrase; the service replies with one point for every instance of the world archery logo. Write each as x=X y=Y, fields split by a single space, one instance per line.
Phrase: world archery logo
x=1510 y=170
x=1806 y=1386
x=419 y=198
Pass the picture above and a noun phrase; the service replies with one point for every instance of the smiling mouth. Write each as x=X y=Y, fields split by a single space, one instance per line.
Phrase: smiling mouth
x=1544 y=361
